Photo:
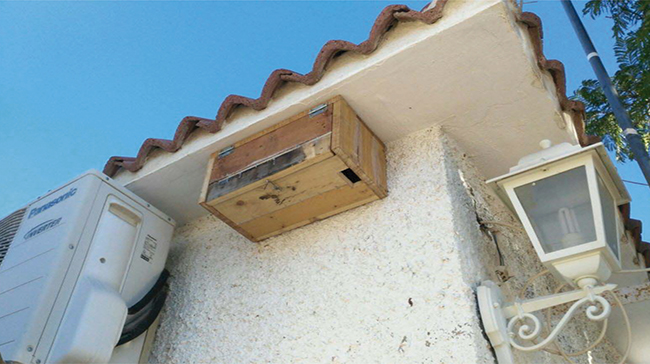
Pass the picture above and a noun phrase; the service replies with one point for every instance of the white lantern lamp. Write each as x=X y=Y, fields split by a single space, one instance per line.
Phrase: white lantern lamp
x=567 y=199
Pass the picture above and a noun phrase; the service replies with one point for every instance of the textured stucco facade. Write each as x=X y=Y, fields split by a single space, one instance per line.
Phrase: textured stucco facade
x=390 y=282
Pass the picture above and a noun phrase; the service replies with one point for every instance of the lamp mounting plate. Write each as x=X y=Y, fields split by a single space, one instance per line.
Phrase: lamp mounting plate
x=490 y=302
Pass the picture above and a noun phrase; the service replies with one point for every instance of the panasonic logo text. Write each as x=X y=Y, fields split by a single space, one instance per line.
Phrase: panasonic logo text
x=37 y=210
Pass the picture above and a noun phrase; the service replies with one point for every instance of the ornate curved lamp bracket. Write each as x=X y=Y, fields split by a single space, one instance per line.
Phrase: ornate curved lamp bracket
x=508 y=324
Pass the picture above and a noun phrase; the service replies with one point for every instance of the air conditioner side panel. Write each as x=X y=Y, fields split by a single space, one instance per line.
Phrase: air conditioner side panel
x=96 y=312
x=36 y=264
x=149 y=257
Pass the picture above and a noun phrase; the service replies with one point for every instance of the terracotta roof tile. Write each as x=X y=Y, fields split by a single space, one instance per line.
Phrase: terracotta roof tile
x=556 y=69
x=383 y=23
x=388 y=18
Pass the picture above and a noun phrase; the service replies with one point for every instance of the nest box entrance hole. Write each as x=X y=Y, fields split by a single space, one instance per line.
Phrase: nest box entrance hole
x=350 y=175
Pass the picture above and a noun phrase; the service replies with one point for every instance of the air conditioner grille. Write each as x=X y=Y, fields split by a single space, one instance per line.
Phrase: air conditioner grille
x=8 y=228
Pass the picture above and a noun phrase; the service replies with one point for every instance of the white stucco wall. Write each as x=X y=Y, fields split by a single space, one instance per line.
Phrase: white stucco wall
x=389 y=282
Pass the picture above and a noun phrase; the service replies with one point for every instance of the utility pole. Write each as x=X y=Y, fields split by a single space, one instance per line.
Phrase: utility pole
x=631 y=134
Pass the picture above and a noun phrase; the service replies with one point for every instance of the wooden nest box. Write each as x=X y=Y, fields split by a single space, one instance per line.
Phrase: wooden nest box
x=314 y=165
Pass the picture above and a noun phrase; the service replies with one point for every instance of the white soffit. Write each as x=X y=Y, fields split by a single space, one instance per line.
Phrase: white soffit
x=473 y=73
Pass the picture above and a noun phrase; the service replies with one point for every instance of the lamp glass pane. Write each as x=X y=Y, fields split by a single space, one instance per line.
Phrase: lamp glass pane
x=609 y=216
x=559 y=209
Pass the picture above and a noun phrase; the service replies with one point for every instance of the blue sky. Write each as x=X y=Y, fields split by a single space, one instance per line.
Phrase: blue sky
x=82 y=81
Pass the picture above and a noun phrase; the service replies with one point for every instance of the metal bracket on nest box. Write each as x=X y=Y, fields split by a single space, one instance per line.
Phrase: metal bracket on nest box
x=224 y=152
x=317 y=110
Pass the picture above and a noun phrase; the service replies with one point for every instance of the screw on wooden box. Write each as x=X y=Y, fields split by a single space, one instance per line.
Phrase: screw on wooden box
x=311 y=166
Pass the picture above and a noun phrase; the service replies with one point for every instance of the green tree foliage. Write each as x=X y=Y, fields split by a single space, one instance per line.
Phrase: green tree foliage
x=631 y=29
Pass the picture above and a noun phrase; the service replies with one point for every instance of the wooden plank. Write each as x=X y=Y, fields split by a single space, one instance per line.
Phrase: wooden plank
x=272 y=128
x=261 y=171
x=308 y=211
x=272 y=142
x=359 y=147
x=365 y=153
x=286 y=191
x=315 y=151
x=320 y=217
x=379 y=167
x=206 y=180
x=223 y=218
x=336 y=125
x=345 y=130
x=339 y=102
x=373 y=161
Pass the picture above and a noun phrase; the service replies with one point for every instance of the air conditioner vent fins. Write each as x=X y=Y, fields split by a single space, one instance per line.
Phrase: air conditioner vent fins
x=8 y=228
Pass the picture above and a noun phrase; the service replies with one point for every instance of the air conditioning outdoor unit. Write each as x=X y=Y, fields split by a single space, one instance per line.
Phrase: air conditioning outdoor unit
x=82 y=276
